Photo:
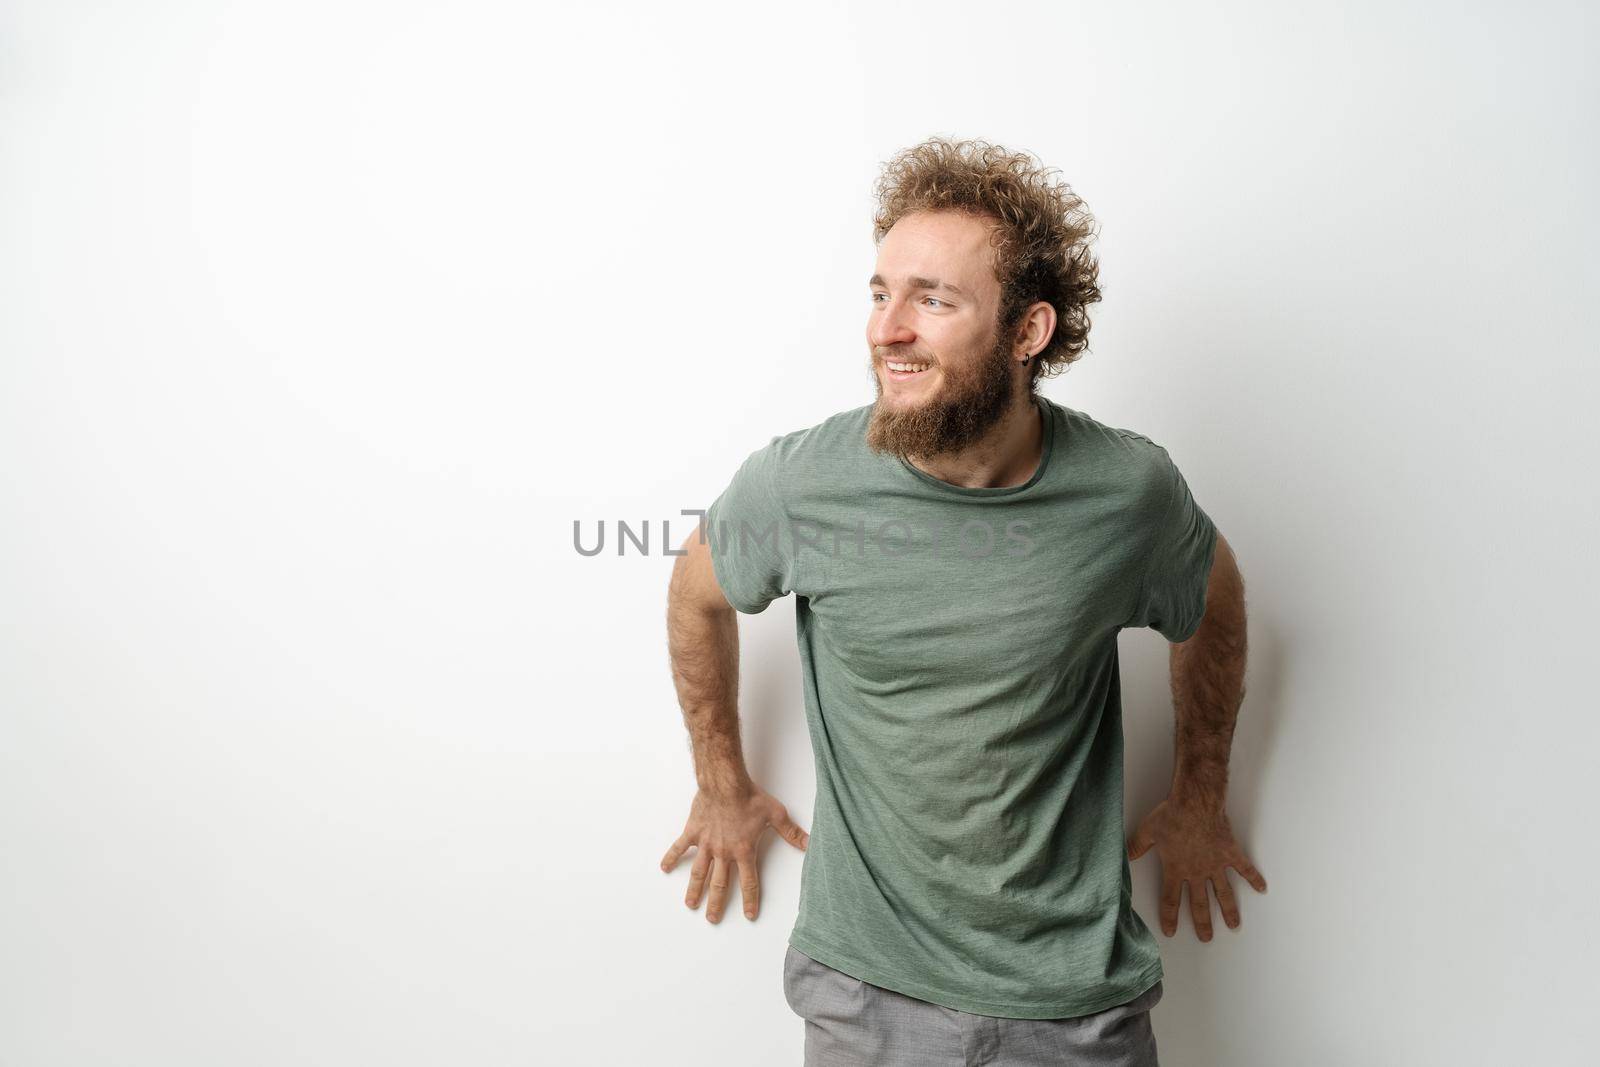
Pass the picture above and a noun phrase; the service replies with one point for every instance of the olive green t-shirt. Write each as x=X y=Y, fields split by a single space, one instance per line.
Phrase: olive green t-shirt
x=958 y=650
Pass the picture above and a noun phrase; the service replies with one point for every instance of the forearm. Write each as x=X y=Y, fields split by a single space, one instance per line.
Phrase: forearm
x=704 y=649
x=1208 y=687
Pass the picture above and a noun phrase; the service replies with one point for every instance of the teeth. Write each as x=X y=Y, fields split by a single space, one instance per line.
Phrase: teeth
x=903 y=367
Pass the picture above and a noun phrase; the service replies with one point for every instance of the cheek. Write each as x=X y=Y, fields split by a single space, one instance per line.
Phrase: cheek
x=960 y=338
x=955 y=349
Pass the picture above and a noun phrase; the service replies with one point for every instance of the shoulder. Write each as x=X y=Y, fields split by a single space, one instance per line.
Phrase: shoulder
x=817 y=447
x=837 y=432
x=1130 y=456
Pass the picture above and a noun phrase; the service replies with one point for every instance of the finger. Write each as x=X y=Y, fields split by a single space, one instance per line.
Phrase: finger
x=749 y=885
x=675 y=853
x=1140 y=843
x=1248 y=871
x=717 y=898
x=790 y=831
x=1171 y=892
x=1200 y=908
x=697 y=878
x=1225 y=900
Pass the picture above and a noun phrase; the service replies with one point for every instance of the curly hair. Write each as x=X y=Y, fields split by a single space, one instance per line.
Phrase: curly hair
x=1041 y=242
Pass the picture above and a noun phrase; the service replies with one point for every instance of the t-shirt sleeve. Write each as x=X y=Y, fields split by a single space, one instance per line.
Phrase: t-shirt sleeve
x=748 y=528
x=1172 y=600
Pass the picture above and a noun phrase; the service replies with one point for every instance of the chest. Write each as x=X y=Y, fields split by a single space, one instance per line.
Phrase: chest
x=967 y=597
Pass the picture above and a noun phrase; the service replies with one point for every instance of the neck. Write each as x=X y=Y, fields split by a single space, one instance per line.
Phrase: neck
x=1007 y=455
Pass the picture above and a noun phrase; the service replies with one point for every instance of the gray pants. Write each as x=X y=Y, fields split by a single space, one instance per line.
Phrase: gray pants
x=851 y=1023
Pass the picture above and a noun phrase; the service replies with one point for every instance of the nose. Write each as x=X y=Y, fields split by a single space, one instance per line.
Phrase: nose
x=888 y=326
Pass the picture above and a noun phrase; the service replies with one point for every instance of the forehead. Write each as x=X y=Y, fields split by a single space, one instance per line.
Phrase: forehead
x=947 y=245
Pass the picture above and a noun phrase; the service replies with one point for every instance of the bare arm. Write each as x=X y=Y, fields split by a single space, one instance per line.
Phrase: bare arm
x=729 y=812
x=1208 y=686
x=1190 y=829
x=703 y=643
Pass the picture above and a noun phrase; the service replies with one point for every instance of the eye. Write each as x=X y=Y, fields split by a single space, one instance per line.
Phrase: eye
x=936 y=300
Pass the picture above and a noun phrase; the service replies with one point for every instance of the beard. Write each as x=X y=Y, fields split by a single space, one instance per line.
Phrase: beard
x=964 y=407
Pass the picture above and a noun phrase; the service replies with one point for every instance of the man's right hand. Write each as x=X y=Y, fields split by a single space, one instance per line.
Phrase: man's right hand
x=725 y=830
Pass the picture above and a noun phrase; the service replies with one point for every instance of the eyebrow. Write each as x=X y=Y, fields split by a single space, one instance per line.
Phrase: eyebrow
x=920 y=283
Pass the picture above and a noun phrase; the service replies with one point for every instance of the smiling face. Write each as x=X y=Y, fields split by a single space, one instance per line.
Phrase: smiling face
x=944 y=376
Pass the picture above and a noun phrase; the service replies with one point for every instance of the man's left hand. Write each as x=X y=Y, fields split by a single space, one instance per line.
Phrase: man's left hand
x=1195 y=844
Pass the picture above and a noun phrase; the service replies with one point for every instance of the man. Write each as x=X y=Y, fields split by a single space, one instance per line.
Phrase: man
x=964 y=552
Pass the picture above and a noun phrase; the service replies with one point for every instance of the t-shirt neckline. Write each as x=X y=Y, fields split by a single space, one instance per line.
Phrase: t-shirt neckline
x=1046 y=449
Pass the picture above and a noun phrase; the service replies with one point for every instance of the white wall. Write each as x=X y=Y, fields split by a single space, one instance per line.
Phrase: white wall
x=322 y=322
